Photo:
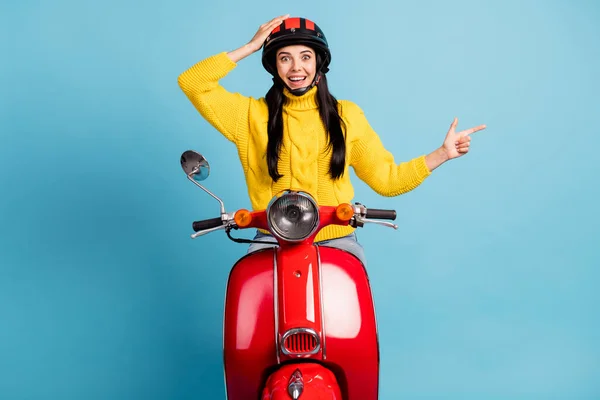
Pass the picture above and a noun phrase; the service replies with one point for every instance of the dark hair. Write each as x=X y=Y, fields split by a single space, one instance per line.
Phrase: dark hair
x=328 y=110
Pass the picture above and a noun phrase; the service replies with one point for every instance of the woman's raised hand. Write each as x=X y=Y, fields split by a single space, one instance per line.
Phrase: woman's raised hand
x=257 y=41
x=264 y=30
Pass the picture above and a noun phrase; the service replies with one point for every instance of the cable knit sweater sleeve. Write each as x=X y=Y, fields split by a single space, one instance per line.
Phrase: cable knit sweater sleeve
x=374 y=164
x=227 y=112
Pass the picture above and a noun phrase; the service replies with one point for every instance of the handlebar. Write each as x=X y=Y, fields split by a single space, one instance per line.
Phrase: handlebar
x=380 y=214
x=362 y=215
x=206 y=224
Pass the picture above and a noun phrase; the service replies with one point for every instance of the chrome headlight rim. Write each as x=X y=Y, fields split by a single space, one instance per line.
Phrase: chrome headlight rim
x=275 y=231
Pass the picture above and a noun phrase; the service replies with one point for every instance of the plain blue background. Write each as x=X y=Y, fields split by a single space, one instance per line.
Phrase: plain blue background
x=488 y=288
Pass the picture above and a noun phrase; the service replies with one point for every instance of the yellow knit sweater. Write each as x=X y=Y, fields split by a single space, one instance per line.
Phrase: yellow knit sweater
x=304 y=159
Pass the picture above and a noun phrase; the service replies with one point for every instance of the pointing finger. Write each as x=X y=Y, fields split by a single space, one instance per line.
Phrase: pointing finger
x=473 y=130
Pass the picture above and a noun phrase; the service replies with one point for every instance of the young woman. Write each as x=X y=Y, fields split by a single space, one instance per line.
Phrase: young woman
x=299 y=136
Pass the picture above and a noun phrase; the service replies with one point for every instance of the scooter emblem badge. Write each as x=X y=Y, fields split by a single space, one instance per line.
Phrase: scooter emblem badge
x=296 y=385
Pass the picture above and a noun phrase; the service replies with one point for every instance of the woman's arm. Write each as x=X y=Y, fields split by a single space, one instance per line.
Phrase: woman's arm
x=376 y=166
x=226 y=111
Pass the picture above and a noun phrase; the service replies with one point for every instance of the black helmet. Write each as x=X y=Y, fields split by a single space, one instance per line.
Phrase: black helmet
x=295 y=31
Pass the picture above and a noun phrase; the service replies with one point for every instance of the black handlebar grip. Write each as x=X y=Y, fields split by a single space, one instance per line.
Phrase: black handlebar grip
x=206 y=224
x=381 y=214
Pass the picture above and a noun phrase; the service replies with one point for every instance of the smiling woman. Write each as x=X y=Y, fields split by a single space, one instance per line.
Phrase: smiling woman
x=297 y=66
x=309 y=137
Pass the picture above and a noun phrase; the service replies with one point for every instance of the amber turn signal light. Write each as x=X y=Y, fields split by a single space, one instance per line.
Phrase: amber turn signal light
x=344 y=212
x=242 y=218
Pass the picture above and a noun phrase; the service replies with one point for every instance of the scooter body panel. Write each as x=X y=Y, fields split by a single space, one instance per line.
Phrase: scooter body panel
x=327 y=291
x=249 y=325
x=351 y=347
x=298 y=303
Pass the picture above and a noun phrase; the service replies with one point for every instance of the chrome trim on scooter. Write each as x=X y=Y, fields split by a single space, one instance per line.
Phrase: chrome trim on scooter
x=296 y=331
x=296 y=385
x=276 y=305
x=321 y=301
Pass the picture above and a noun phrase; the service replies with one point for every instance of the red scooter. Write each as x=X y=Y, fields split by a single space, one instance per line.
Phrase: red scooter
x=299 y=317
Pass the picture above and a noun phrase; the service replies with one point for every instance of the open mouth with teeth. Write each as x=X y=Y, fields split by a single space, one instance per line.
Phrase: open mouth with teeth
x=297 y=81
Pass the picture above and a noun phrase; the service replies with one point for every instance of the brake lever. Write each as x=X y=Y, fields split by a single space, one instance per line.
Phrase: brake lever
x=206 y=231
x=360 y=221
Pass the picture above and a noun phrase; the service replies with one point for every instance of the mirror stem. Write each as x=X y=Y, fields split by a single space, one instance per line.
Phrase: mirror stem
x=206 y=190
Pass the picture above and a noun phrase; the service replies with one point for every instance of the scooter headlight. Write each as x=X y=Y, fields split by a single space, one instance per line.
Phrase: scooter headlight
x=293 y=217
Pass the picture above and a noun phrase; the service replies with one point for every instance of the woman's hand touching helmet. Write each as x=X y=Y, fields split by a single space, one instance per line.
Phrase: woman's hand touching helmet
x=264 y=31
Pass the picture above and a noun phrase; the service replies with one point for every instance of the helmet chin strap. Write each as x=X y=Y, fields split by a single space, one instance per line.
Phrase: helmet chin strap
x=299 y=91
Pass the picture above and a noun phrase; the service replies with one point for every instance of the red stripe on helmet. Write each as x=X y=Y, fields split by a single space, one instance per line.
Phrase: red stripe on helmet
x=292 y=23
x=276 y=29
x=310 y=25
